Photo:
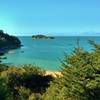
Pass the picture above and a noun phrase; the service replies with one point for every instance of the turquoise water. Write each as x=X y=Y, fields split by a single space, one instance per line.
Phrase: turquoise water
x=45 y=53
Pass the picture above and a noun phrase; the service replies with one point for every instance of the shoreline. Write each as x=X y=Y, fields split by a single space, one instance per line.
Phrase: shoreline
x=53 y=73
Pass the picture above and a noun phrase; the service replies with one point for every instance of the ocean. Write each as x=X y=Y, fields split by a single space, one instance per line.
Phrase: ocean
x=47 y=54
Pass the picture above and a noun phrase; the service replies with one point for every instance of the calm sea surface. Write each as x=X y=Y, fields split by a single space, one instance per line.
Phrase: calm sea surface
x=47 y=54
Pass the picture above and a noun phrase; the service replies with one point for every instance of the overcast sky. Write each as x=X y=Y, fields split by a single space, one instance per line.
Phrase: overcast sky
x=55 y=17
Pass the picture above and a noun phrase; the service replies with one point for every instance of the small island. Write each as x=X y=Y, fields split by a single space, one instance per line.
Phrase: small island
x=8 y=42
x=42 y=37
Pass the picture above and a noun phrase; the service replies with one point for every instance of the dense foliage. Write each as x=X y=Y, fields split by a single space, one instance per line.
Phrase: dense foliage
x=8 y=42
x=80 y=79
x=25 y=82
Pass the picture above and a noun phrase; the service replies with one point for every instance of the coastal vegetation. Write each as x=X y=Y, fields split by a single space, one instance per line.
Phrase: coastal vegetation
x=80 y=77
x=79 y=80
x=8 y=42
x=42 y=37
x=23 y=83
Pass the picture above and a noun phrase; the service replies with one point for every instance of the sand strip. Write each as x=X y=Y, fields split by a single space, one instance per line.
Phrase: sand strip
x=53 y=73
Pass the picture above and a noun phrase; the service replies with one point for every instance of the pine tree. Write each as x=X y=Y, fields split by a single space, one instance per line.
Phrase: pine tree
x=81 y=76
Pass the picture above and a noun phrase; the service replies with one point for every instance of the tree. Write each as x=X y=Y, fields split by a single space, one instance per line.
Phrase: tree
x=81 y=76
x=25 y=82
x=5 y=94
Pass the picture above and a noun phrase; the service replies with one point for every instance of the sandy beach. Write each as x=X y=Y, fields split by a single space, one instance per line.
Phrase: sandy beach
x=54 y=73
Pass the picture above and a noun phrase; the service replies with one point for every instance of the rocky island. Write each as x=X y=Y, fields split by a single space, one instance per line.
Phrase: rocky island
x=42 y=37
x=8 y=42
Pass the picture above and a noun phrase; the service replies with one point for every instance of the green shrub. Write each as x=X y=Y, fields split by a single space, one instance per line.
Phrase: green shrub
x=81 y=77
x=5 y=94
x=23 y=93
x=30 y=77
x=33 y=69
x=35 y=96
x=3 y=67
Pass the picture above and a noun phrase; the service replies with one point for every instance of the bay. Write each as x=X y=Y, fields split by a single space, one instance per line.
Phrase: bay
x=46 y=54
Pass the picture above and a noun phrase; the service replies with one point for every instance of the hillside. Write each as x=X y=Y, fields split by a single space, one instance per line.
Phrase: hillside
x=8 y=42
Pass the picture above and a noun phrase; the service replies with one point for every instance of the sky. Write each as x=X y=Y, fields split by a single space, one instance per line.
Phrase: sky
x=53 y=17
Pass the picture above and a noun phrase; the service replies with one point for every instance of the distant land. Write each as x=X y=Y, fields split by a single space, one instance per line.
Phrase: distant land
x=42 y=37
x=60 y=34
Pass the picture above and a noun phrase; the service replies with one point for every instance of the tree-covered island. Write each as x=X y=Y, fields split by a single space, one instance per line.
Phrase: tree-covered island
x=42 y=37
